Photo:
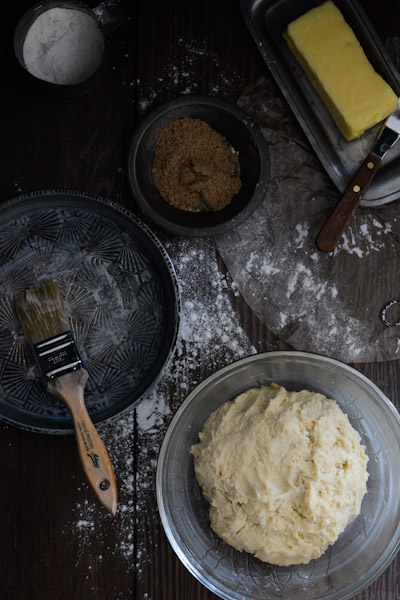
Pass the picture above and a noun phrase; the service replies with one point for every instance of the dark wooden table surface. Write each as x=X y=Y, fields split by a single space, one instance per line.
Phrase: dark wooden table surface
x=55 y=541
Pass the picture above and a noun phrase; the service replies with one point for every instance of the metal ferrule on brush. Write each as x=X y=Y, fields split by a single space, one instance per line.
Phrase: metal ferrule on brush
x=58 y=355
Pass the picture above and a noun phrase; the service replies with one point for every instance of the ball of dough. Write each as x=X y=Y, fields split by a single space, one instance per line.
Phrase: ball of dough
x=284 y=473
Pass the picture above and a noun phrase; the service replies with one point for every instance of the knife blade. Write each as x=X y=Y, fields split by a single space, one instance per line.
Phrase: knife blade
x=338 y=221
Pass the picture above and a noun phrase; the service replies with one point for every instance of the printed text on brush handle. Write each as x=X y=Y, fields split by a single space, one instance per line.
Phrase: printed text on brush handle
x=93 y=454
x=88 y=443
x=58 y=355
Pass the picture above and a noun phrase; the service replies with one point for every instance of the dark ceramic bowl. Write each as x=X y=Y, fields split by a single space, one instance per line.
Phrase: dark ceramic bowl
x=239 y=131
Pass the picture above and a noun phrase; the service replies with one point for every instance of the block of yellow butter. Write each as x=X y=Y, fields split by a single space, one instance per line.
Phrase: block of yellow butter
x=354 y=93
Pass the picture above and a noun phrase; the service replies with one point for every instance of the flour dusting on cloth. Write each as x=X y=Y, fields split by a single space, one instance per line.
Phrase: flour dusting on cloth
x=324 y=303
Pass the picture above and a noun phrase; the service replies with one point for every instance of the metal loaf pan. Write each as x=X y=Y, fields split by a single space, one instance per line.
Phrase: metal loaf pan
x=266 y=20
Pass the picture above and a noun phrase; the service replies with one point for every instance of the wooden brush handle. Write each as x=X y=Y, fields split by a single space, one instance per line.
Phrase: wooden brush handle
x=332 y=231
x=93 y=454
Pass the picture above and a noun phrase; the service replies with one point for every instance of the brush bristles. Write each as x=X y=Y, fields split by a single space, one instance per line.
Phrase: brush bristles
x=41 y=312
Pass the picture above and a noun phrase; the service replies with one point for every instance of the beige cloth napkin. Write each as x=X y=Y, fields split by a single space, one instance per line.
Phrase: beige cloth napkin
x=329 y=304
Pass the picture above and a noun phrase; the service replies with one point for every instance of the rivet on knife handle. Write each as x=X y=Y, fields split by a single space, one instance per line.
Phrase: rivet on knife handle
x=337 y=223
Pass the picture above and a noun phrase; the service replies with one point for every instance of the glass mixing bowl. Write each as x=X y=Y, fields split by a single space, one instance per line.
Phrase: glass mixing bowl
x=361 y=553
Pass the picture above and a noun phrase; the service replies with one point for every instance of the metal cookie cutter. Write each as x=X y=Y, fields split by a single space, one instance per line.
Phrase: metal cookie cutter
x=383 y=314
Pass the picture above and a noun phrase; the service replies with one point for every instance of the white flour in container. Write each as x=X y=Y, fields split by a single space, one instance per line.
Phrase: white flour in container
x=63 y=46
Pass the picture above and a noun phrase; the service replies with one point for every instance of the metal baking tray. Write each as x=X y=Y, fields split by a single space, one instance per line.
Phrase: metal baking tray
x=266 y=20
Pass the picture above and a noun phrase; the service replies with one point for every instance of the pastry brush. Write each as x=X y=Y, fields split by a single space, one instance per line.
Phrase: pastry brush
x=46 y=327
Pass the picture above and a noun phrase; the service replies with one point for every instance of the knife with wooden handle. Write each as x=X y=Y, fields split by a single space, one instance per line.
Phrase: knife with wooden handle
x=337 y=223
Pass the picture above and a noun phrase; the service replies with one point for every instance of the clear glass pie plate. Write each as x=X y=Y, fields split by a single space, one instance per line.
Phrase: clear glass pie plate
x=361 y=553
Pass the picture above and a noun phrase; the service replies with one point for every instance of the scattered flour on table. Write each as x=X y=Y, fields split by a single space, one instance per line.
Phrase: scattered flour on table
x=181 y=79
x=210 y=336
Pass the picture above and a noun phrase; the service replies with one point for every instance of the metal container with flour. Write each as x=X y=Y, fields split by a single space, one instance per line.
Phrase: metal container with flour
x=62 y=44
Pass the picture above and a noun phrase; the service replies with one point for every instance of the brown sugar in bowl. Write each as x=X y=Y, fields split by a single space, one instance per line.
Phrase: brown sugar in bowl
x=194 y=167
x=239 y=131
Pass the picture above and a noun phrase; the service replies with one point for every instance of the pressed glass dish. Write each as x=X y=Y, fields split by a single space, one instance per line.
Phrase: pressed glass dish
x=120 y=292
x=361 y=553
